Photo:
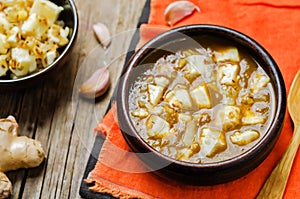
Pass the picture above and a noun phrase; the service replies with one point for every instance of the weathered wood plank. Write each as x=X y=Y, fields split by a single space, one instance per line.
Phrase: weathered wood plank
x=53 y=113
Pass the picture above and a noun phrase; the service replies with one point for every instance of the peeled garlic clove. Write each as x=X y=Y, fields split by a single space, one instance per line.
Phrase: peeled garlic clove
x=96 y=85
x=178 y=10
x=102 y=33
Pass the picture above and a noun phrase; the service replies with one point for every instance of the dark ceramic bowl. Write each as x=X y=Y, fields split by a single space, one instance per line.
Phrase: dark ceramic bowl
x=205 y=173
x=70 y=17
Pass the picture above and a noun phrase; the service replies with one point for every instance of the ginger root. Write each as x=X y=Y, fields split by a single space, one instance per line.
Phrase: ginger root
x=16 y=152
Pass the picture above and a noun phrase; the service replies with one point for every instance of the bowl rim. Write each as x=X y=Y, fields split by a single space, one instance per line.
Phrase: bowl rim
x=64 y=53
x=261 y=146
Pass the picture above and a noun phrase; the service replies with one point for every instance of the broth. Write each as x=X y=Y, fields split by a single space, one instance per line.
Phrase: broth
x=204 y=104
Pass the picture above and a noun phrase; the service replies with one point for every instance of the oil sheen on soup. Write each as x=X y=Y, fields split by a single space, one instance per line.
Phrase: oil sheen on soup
x=202 y=105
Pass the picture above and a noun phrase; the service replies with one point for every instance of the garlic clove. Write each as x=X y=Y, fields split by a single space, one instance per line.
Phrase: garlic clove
x=96 y=85
x=178 y=10
x=102 y=33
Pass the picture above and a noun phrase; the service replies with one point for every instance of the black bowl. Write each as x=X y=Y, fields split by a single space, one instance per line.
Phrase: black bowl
x=70 y=17
x=206 y=173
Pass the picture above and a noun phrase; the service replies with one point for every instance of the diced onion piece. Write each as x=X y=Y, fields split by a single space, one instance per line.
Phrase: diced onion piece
x=228 y=74
x=46 y=9
x=185 y=117
x=229 y=54
x=185 y=154
x=212 y=142
x=50 y=57
x=250 y=118
x=155 y=94
x=201 y=96
x=244 y=138
x=189 y=134
x=4 y=23
x=157 y=127
x=12 y=38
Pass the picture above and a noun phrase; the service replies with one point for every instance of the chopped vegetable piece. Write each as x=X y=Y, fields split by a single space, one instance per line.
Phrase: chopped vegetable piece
x=189 y=134
x=258 y=81
x=201 y=96
x=179 y=97
x=162 y=81
x=155 y=93
x=228 y=54
x=250 y=118
x=231 y=117
x=244 y=138
x=141 y=113
x=228 y=74
x=212 y=142
x=157 y=127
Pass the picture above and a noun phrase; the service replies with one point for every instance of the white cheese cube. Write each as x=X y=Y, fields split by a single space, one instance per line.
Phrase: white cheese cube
x=4 y=23
x=189 y=134
x=3 y=65
x=34 y=26
x=212 y=142
x=58 y=35
x=46 y=9
x=161 y=81
x=12 y=38
x=155 y=94
x=258 y=81
x=201 y=96
x=157 y=127
x=231 y=117
x=3 y=44
x=50 y=57
x=228 y=74
x=250 y=118
x=228 y=54
x=24 y=63
x=179 y=97
x=244 y=138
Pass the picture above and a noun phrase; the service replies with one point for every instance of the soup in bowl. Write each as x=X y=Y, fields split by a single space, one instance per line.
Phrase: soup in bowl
x=205 y=103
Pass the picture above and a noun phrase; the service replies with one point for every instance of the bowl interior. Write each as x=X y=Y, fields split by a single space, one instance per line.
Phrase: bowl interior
x=191 y=37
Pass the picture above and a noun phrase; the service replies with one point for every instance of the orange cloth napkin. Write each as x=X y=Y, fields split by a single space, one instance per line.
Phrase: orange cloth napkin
x=275 y=25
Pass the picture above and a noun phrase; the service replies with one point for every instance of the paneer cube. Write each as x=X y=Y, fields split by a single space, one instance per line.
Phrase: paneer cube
x=201 y=96
x=58 y=35
x=13 y=37
x=155 y=94
x=194 y=67
x=157 y=127
x=3 y=44
x=161 y=81
x=258 y=81
x=4 y=23
x=228 y=74
x=46 y=9
x=23 y=62
x=244 y=138
x=231 y=117
x=228 y=54
x=179 y=98
x=212 y=142
x=189 y=134
x=34 y=26
x=3 y=65
x=250 y=118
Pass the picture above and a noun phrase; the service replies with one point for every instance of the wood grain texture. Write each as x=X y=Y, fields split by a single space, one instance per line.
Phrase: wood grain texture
x=52 y=111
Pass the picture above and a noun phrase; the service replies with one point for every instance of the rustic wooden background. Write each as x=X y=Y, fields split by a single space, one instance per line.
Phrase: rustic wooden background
x=53 y=113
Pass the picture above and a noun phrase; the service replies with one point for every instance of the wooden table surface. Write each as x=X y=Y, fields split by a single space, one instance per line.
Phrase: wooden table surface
x=53 y=113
